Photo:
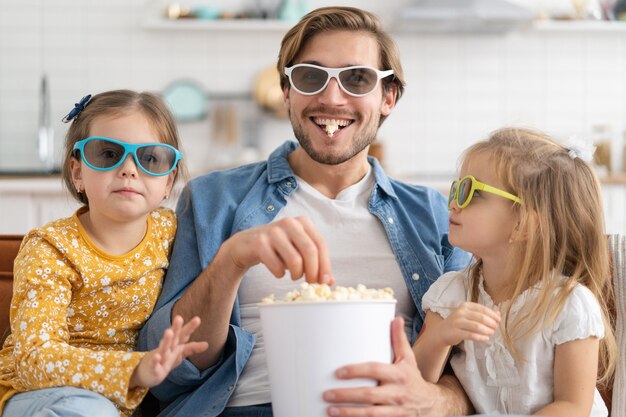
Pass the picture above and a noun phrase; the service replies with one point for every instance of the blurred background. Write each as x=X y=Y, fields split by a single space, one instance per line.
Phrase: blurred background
x=471 y=66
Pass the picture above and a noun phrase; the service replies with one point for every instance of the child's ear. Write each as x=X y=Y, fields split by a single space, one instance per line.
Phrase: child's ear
x=76 y=172
x=527 y=222
x=517 y=235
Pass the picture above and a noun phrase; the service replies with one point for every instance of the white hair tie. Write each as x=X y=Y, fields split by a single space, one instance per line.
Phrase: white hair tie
x=580 y=147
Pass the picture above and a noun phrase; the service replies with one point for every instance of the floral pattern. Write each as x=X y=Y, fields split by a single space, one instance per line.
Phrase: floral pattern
x=76 y=310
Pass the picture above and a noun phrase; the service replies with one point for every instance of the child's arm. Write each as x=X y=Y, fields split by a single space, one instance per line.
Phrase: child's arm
x=575 y=373
x=173 y=349
x=469 y=321
x=47 y=351
x=430 y=354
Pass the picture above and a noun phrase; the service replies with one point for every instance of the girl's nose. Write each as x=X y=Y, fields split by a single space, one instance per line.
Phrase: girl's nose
x=453 y=206
x=128 y=167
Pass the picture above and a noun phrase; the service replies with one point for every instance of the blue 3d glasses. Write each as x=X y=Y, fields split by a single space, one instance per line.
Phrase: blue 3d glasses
x=104 y=154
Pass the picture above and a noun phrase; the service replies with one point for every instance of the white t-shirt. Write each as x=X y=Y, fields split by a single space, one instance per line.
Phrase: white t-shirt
x=360 y=254
x=491 y=377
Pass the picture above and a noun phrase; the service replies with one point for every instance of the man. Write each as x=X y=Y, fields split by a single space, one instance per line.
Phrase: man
x=320 y=210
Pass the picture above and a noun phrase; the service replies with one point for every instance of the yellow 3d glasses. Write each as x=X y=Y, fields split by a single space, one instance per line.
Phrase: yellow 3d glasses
x=463 y=189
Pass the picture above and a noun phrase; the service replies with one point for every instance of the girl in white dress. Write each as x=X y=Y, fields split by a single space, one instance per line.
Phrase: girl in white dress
x=528 y=320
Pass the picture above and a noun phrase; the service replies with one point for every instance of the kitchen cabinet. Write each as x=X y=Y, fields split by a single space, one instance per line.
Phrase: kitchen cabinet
x=281 y=26
x=26 y=203
x=613 y=198
x=29 y=202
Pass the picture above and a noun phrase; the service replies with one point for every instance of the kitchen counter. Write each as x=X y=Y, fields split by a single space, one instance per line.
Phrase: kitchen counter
x=31 y=183
x=617 y=179
x=613 y=195
x=30 y=201
x=27 y=202
x=439 y=179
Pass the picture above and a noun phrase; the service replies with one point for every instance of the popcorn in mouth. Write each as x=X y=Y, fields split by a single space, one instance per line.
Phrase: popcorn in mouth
x=331 y=125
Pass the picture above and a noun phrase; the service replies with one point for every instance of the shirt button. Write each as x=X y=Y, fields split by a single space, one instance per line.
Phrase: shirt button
x=390 y=220
x=288 y=184
x=415 y=276
x=271 y=208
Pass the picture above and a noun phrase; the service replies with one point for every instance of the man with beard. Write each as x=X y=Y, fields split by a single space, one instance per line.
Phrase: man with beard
x=320 y=210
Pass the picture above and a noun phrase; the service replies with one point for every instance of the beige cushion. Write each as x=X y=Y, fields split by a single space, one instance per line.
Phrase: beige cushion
x=617 y=245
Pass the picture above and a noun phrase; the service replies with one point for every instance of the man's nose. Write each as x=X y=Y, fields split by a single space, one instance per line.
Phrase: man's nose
x=333 y=93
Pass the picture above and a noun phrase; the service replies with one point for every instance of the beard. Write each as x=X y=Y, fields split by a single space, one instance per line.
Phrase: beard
x=361 y=140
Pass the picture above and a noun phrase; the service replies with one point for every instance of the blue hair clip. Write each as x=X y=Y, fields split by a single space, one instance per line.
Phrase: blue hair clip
x=78 y=107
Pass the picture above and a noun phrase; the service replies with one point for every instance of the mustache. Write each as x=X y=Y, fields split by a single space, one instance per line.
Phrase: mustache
x=330 y=111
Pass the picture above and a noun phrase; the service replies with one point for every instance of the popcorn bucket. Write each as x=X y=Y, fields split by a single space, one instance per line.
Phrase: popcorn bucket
x=306 y=342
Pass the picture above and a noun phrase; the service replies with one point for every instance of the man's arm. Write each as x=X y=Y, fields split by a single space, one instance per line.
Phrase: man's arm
x=184 y=266
x=459 y=403
x=401 y=390
x=291 y=244
x=211 y=296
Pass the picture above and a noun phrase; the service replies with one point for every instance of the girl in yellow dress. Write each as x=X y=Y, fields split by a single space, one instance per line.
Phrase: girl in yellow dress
x=84 y=285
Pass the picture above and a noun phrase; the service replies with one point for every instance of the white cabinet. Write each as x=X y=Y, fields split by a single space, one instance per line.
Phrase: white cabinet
x=614 y=198
x=26 y=203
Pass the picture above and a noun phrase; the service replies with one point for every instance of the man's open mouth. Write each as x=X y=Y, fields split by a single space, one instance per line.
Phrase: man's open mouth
x=331 y=125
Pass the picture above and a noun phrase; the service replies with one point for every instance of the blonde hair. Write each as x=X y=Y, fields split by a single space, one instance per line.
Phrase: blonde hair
x=120 y=103
x=561 y=221
x=328 y=19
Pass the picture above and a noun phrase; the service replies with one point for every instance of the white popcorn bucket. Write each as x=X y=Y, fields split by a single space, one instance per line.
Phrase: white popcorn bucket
x=306 y=342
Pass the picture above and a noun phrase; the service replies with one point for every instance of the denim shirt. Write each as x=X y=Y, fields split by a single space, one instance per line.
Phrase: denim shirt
x=217 y=205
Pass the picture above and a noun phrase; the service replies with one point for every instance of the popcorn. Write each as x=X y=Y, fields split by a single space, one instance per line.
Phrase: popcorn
x=322 y=292
x=331 y=127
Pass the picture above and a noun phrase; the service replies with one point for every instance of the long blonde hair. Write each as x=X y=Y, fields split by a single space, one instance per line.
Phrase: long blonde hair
x=562 y=224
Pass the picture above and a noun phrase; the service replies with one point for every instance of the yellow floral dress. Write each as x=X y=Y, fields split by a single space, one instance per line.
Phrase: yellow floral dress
x=76 y=311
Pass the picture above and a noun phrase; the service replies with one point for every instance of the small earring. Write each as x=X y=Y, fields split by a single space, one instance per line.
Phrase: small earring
x=166 y=196
x=79 y=188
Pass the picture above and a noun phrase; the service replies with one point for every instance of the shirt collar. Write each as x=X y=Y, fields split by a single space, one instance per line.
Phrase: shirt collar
x=381 y=179
x=278 y=168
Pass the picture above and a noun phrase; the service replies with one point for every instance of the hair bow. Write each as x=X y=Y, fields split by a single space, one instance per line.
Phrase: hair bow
x=78 y=107
x=580 y=147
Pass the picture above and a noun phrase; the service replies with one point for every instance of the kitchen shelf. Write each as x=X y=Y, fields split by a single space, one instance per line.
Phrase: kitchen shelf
x=578 y=26
x=218 y=25
x=275 y=25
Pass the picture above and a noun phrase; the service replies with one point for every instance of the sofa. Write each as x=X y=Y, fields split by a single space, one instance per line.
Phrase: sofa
x=614 y=395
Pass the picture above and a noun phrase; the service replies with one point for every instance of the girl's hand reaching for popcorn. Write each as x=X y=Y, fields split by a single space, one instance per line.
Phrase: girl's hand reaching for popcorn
x=173 y=349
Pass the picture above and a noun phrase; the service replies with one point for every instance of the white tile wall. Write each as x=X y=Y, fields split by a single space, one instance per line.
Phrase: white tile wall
x=459 y=87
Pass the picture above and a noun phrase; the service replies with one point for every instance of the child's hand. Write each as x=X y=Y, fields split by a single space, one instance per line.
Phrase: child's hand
x=469 y=321
x=174 y=347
